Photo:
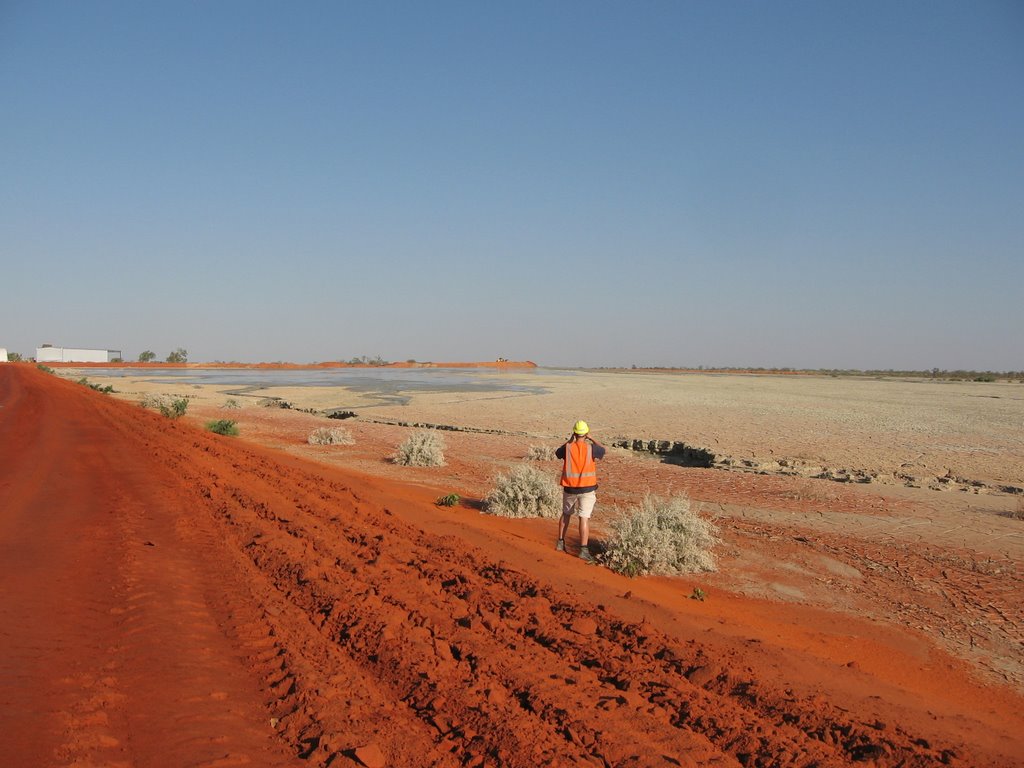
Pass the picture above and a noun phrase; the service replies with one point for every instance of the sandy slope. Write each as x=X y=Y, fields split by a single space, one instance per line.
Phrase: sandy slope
x=170 y=597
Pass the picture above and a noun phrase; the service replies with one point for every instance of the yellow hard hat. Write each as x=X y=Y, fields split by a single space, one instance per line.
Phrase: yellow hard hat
x=580 y=428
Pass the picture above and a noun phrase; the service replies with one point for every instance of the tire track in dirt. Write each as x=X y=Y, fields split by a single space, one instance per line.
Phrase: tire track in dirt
x=484 y=655
x=119 y=656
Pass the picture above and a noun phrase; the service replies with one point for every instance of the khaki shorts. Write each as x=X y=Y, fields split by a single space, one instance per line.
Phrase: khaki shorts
x=581 y=503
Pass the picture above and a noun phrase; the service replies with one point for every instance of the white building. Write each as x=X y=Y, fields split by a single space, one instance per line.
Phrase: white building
x=3 y=355
x=49 y=354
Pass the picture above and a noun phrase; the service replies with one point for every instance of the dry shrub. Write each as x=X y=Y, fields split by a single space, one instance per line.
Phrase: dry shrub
x=330 y=436
x=524 y=492
x=1018 y=512
x=810 y=490
x=540 y=453
x=424 y=448
x=273 y=402
x=661 y=537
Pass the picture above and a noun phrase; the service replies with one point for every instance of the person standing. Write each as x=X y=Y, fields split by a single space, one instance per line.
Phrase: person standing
x=579 y=484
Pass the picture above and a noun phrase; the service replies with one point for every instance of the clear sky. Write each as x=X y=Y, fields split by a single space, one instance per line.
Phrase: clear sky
x=805 y=184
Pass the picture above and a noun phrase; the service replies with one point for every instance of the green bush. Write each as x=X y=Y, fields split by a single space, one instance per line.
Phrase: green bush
x=223 y=427
x=524 y=492
x=175 y=408
x=540 y=453
x=661 y=537
x=171 y=407
x=330 y=436
x=147 y=357
x=44 y=368
x=448 y=500
x=106 y=390
x=180 y=355
x=424 y=448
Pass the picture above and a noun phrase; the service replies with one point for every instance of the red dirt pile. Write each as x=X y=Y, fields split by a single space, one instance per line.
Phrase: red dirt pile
x=171 y=597
x=500 y=364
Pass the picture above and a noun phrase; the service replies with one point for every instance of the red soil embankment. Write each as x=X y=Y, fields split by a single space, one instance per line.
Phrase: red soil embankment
x=171 y=597
x=500 y=364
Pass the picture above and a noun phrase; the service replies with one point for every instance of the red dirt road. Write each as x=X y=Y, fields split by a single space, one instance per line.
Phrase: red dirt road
x=169 y=598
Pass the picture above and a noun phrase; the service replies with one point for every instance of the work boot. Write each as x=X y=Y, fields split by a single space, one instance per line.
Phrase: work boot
x=560 y=545
x=585 y=555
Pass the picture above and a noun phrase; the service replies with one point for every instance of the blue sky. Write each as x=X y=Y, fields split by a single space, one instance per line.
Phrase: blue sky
x=806 y=184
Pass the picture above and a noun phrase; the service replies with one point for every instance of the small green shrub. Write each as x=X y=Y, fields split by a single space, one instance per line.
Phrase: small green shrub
x=424 y=448
x=171 y=407
x=540 y=453
x=105 y=389
x=698 y=594
x=223 y=427
x=330 y=436
x=448 y=500
x=661 y=536
x=524 y=492
x=174 y=408
x=44 y=368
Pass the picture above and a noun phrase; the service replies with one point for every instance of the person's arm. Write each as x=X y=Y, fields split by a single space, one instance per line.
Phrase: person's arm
x=599 y=450
x=560 y=451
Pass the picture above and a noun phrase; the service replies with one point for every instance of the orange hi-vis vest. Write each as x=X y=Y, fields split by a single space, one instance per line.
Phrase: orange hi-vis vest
x=578 y=467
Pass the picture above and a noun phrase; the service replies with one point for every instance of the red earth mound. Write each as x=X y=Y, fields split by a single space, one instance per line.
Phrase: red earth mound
x=502 y=364
x=172 y=597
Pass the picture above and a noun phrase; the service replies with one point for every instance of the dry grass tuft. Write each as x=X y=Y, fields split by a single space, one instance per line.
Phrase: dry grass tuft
x=1018 y=512
x=330 y=436
x=811 y=490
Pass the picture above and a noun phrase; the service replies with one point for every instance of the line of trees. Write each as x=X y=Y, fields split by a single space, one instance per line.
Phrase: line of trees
x=179 y=355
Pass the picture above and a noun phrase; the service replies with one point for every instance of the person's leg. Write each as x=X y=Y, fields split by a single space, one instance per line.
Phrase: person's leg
x=563 y=525
x=568 y=502
x=585 y=508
